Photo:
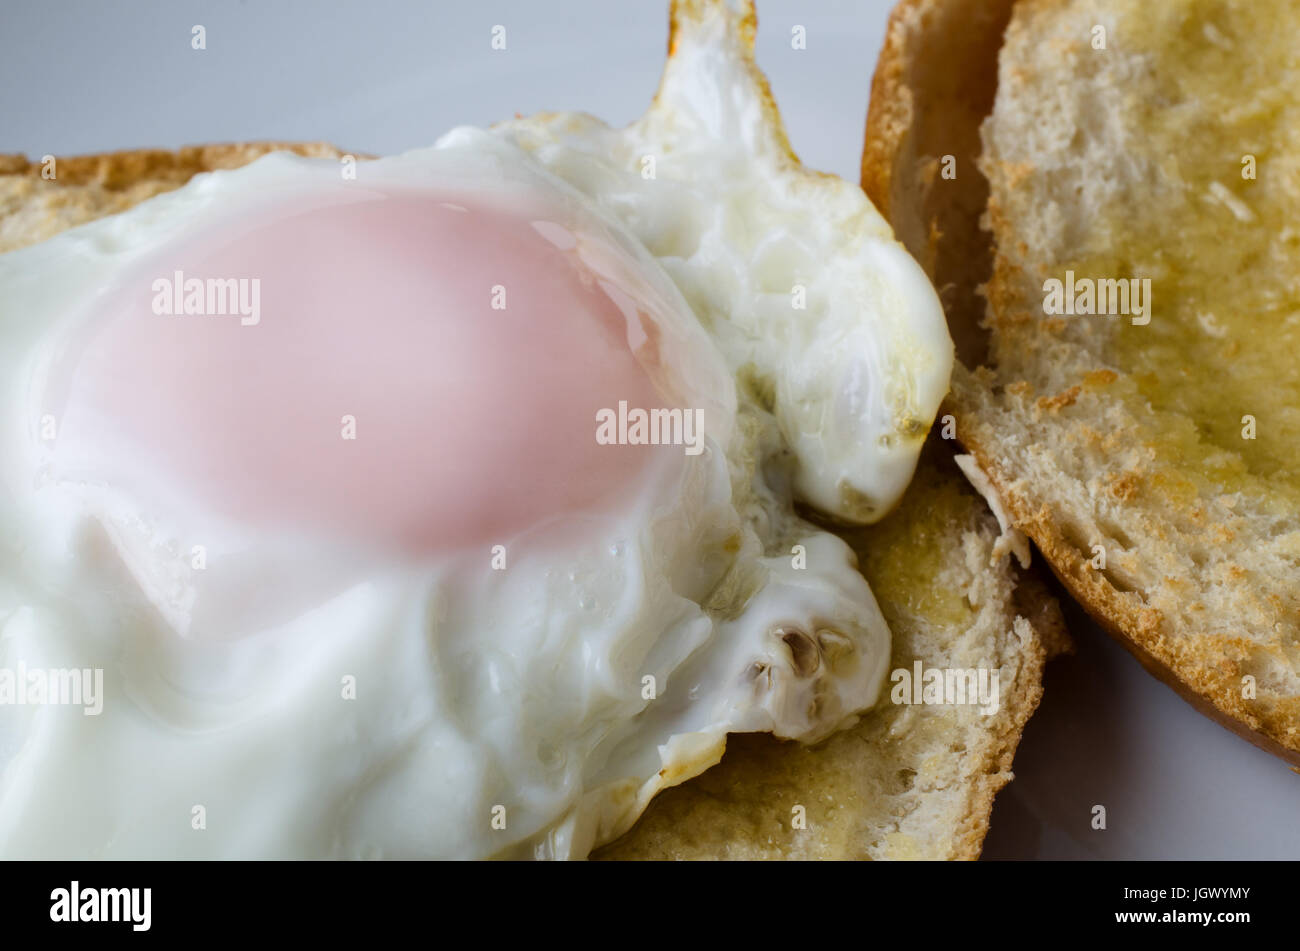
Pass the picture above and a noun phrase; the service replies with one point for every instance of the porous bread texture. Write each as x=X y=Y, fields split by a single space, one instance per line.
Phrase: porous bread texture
x=908 y=781
x=1201 y=582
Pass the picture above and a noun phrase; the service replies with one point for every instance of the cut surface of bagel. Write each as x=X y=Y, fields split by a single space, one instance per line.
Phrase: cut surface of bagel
x=1129 y=382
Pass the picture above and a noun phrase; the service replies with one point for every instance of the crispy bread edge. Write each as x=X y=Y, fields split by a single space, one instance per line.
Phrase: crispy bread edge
x=891 y=146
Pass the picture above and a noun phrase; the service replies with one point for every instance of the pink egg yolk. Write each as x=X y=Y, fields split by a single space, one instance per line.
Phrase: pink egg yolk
x=411 y=370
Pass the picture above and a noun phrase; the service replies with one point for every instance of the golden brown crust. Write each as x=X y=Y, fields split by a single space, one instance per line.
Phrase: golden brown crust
x=115 y=171
x=1137 y=629
x=1206 y=675
x=918 y=160
x=889 y=114
x=1036 y=604
x=40 y=199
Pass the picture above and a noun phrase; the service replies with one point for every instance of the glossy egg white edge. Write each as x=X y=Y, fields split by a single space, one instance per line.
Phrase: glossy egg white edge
x=831 y=323
x=522 y=689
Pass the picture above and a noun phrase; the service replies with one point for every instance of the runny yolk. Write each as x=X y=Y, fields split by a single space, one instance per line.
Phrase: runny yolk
x=410 y=370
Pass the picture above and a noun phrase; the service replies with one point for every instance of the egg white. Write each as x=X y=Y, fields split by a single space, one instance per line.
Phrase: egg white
x=527 y=712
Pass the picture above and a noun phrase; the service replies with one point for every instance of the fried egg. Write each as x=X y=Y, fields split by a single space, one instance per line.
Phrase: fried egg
x=444 y=505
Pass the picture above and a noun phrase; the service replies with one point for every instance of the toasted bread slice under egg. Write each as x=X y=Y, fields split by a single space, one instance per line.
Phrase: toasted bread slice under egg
x=908 y=781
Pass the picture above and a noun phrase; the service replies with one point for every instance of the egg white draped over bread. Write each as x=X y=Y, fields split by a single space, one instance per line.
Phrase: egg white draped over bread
x=327 y=690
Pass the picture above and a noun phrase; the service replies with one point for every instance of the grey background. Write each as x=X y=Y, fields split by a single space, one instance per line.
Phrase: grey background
x=385 y=75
